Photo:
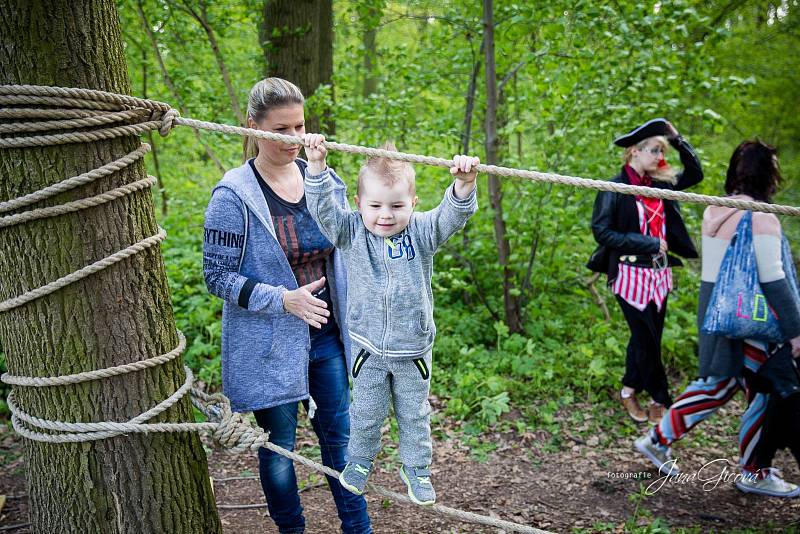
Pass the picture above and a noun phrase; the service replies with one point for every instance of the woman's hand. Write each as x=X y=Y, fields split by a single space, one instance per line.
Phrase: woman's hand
x=301 y=303
x=662 y=246
x=315 y=152
x=464 y=170
x=795 y=343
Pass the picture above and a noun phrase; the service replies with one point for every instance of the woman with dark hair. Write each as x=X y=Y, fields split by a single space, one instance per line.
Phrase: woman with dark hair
x=765 y=372
x=634 y=234
x=284 y=336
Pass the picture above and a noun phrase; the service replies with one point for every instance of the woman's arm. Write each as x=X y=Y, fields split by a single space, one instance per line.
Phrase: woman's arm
x=768 y=245
x=692 y=173
x=223 y=245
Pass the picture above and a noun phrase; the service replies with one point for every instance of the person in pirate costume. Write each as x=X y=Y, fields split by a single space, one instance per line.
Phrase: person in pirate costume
x=637 y=238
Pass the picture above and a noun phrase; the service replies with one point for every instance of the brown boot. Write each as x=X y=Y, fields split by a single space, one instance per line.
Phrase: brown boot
x=655 y=412
x=636 y=412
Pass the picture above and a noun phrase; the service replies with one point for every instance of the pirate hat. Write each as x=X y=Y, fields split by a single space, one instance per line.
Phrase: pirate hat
x=651 y=128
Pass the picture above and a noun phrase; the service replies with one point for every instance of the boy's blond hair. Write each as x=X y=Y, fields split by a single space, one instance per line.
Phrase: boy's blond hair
x=388 y=170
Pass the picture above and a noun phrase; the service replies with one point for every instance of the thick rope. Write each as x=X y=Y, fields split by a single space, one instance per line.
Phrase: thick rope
x=164 y=118
x=91 y=120
x=75 y=93
x=80 y=137
x=71 y=183
x=77 y=205
x=536 y=176
x=50 y=113
x=87 y=376
x=80 y=274
x=229 y=429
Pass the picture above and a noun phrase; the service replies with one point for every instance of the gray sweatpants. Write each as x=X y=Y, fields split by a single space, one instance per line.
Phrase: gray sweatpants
x=376 y=381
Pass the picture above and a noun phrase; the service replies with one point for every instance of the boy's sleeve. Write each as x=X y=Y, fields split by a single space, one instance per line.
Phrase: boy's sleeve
x=337 y=223
x=436 y=226
x=223 y=243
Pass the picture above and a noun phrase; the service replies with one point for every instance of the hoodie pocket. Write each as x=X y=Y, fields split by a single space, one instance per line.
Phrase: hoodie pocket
x=425 y=323
x=359 y=362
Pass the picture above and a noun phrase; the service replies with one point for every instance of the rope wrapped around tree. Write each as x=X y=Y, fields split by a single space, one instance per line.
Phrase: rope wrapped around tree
x=229 y=429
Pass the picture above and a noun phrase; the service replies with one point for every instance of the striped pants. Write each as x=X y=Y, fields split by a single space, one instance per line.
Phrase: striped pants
x=705 y=396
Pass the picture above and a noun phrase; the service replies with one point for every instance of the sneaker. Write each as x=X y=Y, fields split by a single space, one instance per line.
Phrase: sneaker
x=772 y=484
x=418 y=481
x=355 y=474
x=636 y=412
x=655 y=412
x=658 y=454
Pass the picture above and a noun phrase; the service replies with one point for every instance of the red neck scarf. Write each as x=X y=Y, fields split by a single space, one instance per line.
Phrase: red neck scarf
x=653 y=207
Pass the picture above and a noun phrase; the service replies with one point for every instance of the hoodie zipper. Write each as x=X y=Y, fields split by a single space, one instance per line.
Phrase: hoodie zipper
x=385 y=300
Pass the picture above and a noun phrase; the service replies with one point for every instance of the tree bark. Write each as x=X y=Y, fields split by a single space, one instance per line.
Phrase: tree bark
x=130 y=483
x=297 y=40
x=511 y=302
x=371 y=17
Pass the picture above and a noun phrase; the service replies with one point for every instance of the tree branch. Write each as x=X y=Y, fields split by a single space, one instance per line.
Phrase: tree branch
x=171 y=86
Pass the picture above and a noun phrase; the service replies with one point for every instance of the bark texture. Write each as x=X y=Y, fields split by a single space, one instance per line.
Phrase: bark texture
x=297 y=39
x=134 y=483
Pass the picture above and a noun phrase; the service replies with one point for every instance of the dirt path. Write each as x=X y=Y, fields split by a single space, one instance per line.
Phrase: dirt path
x=582 y=484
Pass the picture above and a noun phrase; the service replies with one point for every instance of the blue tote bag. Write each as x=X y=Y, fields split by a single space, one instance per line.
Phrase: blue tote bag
x=738 y=308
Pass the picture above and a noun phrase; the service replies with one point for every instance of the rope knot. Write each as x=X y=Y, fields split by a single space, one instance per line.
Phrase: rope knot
x=234 y=432
x=168 y=121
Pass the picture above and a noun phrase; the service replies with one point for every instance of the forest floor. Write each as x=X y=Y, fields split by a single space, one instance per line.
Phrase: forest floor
x=577 y=478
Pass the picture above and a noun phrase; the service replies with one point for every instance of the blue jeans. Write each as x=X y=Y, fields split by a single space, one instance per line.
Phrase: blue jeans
x=330 y=389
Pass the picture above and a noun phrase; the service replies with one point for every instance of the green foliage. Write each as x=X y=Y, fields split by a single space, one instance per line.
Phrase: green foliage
x=573 y=75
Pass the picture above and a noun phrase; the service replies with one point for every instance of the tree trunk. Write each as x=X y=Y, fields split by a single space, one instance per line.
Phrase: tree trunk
x=371 y=17
x=130 y=483
x=511 y=302
x=297 y=39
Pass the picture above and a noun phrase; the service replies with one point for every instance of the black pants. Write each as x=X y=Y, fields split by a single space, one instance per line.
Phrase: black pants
x=781 y=429
x=643 y=368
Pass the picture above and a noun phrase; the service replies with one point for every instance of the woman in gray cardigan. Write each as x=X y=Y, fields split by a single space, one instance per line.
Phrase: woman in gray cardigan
x=284 y=337
x=763 y=371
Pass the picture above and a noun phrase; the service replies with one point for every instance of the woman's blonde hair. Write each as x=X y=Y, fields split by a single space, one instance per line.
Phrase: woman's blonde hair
x=266 y=95
x=667 y=174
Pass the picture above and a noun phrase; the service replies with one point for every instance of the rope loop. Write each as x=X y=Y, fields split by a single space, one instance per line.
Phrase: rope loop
x=168 y=121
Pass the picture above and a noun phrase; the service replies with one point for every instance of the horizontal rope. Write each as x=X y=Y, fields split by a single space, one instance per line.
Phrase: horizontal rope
x=71 y=183
x=66 y=102
x=77 y=97
x=70 y=207
x=82 y=432
x=87 y=376
x=600 y=185
x=91 y=95
x=80 y=137
x=85 y=122
x=64 y=281
x=48 y=113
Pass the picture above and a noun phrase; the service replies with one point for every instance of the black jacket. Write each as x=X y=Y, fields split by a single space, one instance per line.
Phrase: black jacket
x=615 y=219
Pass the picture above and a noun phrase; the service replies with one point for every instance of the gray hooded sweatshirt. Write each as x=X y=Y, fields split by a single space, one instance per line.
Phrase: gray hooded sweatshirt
x=389 y=296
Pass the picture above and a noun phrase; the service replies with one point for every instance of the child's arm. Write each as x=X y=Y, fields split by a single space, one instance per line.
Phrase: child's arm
x=335 y=222
x=459 y=204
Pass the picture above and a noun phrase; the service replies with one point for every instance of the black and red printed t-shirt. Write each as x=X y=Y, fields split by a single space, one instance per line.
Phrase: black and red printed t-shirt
x=302 y=242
